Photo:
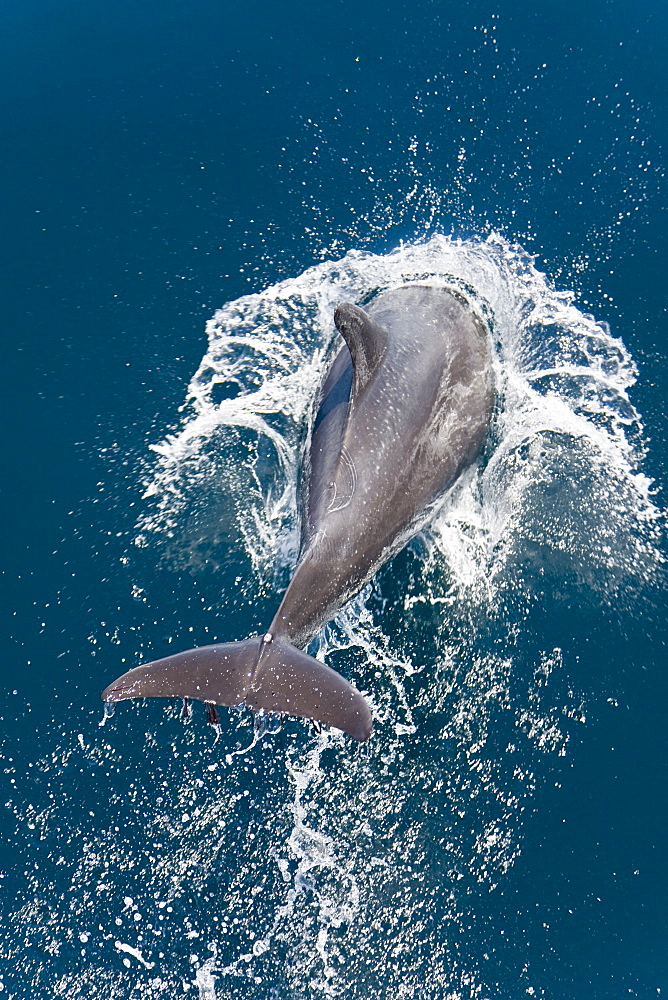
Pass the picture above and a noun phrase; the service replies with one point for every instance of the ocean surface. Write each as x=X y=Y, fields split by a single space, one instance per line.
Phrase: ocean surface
x=188 y=189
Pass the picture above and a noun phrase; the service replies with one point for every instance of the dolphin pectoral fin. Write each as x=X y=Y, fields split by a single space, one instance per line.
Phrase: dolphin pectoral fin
x=220 y=675
x=272 y=676
x=366 y=341
x=290 y=681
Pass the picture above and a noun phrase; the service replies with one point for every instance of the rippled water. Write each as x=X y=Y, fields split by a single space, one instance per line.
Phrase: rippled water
x=502 y=835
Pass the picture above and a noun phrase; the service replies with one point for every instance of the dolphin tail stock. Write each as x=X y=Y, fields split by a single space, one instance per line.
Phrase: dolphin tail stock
x=268 y=673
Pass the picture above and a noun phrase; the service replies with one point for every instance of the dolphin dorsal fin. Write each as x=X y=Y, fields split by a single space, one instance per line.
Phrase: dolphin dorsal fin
x=366 y=341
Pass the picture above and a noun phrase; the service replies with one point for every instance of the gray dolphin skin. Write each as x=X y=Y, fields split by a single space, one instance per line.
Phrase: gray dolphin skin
x=403 y=410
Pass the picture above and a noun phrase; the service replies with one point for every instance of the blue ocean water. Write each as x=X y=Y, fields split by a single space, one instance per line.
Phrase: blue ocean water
x=187 y=191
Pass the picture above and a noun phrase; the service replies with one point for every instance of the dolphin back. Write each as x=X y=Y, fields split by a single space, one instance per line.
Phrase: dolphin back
x=268 y=674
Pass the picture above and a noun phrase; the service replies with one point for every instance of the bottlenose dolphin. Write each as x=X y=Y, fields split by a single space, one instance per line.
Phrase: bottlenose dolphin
x=402 y=411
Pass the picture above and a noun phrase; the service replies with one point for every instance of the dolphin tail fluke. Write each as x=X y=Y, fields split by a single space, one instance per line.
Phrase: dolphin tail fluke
x=268 y=674
x=290 y=681
x=220 y=675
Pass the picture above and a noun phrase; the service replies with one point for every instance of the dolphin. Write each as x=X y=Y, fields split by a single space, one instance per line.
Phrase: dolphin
x=402 y=411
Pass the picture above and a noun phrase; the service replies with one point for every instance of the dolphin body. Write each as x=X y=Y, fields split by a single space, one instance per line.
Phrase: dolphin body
x=403 y=410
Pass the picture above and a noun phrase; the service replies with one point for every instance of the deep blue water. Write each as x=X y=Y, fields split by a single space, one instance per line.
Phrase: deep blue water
x=161 y=160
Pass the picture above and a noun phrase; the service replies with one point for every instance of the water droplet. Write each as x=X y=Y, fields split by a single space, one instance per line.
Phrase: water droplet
x=109 y=709
x=212 y=716
x=264 y=723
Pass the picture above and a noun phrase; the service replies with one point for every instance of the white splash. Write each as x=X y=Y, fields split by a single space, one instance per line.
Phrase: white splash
x=128 y=949
x=563 y=410
x=326 y=869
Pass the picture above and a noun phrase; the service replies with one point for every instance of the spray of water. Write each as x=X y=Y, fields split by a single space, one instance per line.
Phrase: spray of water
x=436 y=640
x=300 y=865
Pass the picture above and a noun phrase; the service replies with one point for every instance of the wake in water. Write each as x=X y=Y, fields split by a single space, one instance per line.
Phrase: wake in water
x=308 y=866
